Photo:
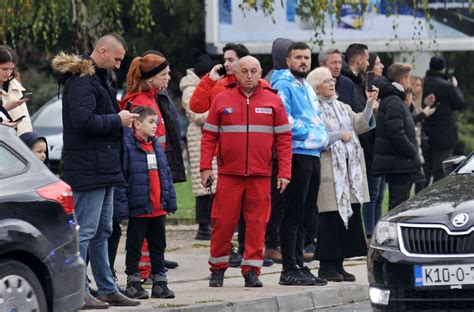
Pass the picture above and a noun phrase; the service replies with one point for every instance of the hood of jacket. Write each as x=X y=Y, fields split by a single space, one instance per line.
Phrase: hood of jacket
x=30 y=138
x=280 y=52
x=387 y=89
x=190 y=80
x=73 y=64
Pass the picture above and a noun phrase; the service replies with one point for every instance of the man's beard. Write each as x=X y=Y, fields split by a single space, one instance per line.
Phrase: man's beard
x=299 y=73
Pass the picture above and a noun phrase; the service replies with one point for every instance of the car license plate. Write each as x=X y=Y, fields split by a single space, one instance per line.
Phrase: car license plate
x=441 y=275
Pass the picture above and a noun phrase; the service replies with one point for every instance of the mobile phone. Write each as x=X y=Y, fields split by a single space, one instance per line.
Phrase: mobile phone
x=370 y=80
x=221 y=71
x=26 y=95
x=19 y=119
x=450 y=72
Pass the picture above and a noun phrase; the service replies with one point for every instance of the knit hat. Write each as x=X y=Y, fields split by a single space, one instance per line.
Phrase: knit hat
x=203 y=65
x=437 y=63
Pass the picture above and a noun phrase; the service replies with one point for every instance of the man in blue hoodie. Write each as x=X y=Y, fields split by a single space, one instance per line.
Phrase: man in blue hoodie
x=309 y=136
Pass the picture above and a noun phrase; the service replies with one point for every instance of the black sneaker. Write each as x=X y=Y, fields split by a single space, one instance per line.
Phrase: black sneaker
x=251 y=279
x=235 y=259
x=317 y=281
x=135 y=290
x=295 y=277
x=171 y=264
x=161 y=290
x=217 y=278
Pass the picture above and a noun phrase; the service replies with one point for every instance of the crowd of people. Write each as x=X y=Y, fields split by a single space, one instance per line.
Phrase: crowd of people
x=296 y=161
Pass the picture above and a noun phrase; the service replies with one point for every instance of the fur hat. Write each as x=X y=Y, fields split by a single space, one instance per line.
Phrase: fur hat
x=437 y=63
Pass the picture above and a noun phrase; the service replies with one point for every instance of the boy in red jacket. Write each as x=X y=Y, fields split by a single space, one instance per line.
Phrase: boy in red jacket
x=245 y=123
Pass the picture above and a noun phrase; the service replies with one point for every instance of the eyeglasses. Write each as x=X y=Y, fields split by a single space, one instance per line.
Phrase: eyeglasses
x=333 y=80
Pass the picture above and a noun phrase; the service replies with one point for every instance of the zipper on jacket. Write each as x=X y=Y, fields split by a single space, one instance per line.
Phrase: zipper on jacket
x=247 y=154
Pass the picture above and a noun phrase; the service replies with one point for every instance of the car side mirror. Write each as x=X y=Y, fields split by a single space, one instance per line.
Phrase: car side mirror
x=452 y=163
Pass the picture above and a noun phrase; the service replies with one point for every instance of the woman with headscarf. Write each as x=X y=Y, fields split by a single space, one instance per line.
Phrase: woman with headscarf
x=343 y=186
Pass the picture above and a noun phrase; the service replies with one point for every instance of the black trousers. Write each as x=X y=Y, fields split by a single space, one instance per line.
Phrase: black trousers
x=301 y=197
x=153 y=229
x=114 y=241
x=272 y=234
x=399 y=186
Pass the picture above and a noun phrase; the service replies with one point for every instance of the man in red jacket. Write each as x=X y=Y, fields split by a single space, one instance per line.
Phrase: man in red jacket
x=246 y=121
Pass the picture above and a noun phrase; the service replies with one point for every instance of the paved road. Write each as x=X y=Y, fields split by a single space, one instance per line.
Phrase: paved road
x=191 y=285
x=355 y=307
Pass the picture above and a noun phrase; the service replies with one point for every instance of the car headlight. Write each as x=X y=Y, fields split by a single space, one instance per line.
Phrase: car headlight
x=385 y=235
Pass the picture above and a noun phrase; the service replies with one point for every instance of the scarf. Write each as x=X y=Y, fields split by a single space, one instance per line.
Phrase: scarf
x=345 y=157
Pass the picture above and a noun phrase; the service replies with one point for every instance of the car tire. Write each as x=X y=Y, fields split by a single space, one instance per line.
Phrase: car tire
x=20 y=289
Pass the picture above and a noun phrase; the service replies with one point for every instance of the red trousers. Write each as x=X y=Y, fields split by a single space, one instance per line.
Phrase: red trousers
x=145 y=265
x=233 y=194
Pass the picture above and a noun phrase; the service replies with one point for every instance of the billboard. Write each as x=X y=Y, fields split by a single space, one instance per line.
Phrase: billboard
x=380 y=24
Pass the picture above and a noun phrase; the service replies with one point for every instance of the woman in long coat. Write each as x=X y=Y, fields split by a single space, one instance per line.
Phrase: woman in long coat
x=343 y=186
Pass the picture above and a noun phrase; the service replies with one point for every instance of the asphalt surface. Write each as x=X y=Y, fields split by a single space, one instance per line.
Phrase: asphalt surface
x=190 y=283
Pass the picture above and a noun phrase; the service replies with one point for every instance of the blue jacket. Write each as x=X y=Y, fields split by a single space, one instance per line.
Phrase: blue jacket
x=134 y=200
x=92 y=129
x=309 y=135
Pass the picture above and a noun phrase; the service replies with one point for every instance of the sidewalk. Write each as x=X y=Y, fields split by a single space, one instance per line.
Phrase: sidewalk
x=190 y=283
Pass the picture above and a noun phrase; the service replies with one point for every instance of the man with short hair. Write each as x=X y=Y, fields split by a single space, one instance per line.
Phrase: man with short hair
x=309 y=136
x=246 y=122
x=396 y=149
x=92 y=156
x=345 y=89
x=357 y=57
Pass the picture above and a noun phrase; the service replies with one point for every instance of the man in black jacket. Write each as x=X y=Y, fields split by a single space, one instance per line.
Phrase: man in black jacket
x=395 y=148
x=440 y=128
x=92 y=156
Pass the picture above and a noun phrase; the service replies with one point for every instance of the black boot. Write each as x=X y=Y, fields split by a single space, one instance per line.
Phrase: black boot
x=327 y=270
x=204 y=232
x=348 y=277
x=217 y=278
x=252 y=280
x=160 y=288
x=134 y=288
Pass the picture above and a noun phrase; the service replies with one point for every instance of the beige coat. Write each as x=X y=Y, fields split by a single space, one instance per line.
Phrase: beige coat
x=187 y=85
x=327 y=193
x=15 y=91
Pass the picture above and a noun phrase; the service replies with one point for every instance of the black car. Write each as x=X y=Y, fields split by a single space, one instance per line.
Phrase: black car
x=421 y=256
x=40 y=266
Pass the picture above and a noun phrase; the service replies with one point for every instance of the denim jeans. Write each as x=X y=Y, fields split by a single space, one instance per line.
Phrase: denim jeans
x=94 y=212
x=373 y=209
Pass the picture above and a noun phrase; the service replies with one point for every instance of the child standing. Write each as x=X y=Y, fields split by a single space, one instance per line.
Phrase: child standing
x=149 y=196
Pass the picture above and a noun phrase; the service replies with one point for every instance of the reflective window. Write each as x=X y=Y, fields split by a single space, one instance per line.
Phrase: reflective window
x=10 y=164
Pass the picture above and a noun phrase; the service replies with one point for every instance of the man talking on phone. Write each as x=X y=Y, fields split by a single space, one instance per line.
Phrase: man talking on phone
x=440 y=128
x=92 y=156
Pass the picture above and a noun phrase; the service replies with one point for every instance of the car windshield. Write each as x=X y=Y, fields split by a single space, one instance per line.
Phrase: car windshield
x=50 y=116
x=468 y=166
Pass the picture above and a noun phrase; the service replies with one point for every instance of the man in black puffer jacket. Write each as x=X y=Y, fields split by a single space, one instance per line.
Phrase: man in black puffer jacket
x=396 y=149
x=92 y=156
x=440 y=128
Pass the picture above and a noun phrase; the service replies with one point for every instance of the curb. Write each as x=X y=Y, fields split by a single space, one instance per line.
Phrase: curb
x=303 y=301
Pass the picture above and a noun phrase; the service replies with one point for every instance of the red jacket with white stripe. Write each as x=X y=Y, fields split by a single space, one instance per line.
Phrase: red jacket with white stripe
x=243 y=132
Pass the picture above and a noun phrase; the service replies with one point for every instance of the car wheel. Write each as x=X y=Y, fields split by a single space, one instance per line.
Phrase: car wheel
x=20 y=289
